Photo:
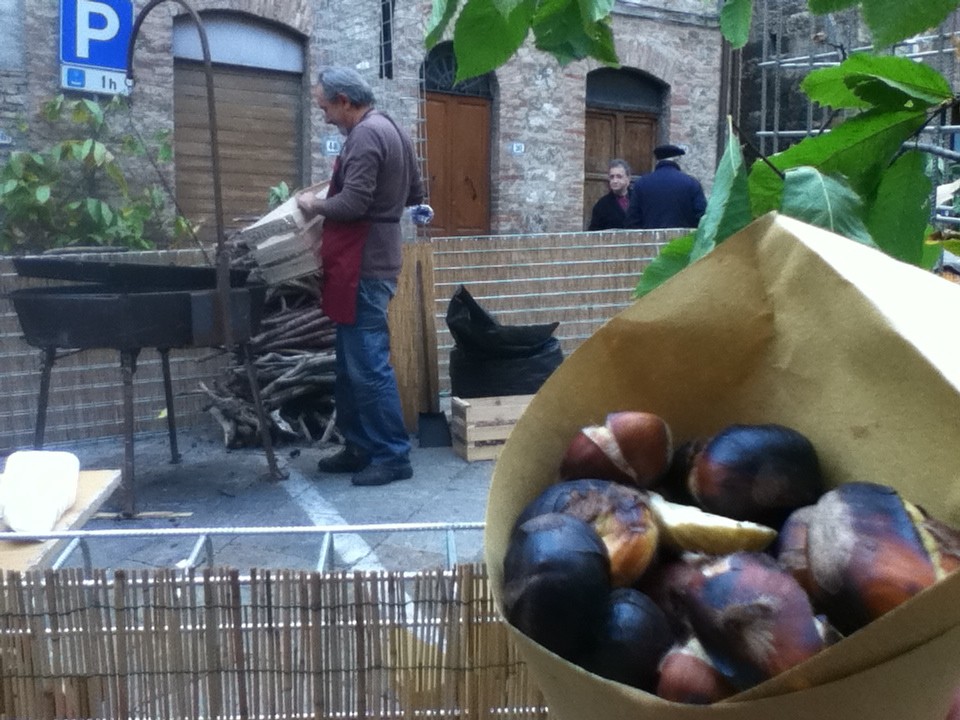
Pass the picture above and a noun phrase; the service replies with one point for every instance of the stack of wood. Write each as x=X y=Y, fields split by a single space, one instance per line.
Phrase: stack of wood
x=293 y=359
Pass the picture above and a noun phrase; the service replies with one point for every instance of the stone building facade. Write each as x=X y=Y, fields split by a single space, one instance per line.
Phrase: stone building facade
x=535 y=103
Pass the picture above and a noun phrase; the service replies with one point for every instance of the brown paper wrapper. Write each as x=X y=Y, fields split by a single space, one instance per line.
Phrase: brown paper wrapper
x=791 y=324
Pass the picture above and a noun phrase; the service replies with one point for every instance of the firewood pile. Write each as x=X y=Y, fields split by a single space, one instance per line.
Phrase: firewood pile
x=293 y=359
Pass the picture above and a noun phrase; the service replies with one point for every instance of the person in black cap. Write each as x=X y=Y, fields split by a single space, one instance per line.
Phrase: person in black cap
x=667 y=197
x=610 y=211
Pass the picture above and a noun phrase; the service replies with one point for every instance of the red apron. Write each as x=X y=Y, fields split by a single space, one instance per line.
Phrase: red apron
x=341 y=256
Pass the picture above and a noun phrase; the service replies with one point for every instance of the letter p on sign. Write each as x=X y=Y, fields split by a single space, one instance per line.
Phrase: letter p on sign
x=101 y=28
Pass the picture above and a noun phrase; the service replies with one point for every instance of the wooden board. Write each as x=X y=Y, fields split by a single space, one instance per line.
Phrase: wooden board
x=94 y=487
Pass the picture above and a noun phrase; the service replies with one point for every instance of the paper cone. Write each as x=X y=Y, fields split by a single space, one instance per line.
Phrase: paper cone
x=791 y=324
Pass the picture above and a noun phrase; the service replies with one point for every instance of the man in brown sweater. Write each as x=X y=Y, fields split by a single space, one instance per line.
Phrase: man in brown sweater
x=374 y=178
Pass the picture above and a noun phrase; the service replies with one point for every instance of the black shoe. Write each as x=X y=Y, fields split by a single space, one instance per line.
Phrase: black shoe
x=348 y=460
x=383 y=473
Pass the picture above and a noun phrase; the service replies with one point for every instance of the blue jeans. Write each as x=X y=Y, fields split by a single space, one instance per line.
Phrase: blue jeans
x=369 y=414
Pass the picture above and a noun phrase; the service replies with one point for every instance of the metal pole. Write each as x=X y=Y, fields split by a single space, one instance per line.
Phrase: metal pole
x=222 y=266
x=223 y=260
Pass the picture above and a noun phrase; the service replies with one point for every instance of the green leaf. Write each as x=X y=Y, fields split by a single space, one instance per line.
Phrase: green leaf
x=114 y=172
x=561 y=30
x=735 y=20
x=828 y=86
x=879 y=80
x=483 y=39
x=948 y=245
x=673 y=257
x=858 y=149
x=100 y=153
x=579 y=43
x=821 y=7
x=593 y=11
x=52 y=109
x=931 y=255
x=86 y=149
x=92 y=206
x=75 y=149
x=42 y=194
x=15 y=165
x=95 y=112
x=897 y=218
x=8 y=187
x=441 y=14
x=728 y=209
x=106 y=214
x=826 y=202
x=893 y=20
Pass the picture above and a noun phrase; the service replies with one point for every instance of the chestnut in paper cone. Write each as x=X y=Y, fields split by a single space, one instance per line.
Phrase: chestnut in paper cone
x=556 y=576
x=759 y=473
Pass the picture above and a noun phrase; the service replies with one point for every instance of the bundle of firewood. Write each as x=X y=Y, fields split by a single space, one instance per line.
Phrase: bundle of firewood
x=293 y=361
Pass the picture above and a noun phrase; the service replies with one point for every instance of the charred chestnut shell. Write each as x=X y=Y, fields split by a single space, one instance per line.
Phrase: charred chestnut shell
x=759 y=473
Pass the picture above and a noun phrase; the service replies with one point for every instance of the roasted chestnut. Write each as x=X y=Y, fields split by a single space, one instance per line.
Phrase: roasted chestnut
x=792 y=547
x=634 y=639
x=688 y=675
x=866 y=554
x=619 y=514
x=752 y=618
x=556 y=583
x=631 y=447
x=759 y=473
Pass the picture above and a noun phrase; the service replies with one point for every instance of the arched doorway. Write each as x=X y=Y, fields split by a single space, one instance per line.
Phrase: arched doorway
x=623 y=109
x=258 y=85
x=458 y=146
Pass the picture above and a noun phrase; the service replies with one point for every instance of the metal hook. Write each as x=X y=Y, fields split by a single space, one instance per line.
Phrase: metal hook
x=223 y=267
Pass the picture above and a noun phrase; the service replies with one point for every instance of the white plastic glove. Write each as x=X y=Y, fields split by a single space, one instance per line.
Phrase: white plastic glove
x=421 y=214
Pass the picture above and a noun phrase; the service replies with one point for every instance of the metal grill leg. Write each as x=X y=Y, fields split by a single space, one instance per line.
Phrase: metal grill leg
x=168 y=392
x=47 y=359
x=128 y=366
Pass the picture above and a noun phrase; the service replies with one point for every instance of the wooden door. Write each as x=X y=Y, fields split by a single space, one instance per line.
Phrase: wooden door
x=258 y=133
x=610 y=134
x=458 y=164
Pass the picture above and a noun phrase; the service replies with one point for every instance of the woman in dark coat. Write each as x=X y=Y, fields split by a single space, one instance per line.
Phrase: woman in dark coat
x=610 y=211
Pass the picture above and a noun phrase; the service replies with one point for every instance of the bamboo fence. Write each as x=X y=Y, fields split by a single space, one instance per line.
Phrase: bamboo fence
x=273 y=644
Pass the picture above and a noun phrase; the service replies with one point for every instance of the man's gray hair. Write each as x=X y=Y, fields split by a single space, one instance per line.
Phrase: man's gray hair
x=347 y=82
x=617 y=162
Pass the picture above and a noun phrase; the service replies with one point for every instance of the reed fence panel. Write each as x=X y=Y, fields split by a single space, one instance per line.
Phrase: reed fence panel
x=271 y=644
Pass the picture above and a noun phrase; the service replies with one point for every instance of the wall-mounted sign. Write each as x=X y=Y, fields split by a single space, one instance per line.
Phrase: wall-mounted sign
x=516 y=148
x=331 y=145
x=94 y=36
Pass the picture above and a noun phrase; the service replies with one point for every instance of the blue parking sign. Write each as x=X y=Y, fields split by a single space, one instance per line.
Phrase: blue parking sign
x=95 y=33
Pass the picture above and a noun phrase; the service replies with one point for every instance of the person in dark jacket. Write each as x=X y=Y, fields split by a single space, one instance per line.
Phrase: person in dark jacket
x=667 y=197
x=610 y=211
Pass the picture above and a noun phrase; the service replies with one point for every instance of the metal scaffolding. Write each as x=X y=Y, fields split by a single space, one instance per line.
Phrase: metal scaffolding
x=788 y=42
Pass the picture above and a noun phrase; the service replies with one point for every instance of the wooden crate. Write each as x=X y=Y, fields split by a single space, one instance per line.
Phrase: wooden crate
x=480 y=426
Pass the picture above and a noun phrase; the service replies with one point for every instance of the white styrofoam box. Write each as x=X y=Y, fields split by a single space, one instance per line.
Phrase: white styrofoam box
x=37 y=487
